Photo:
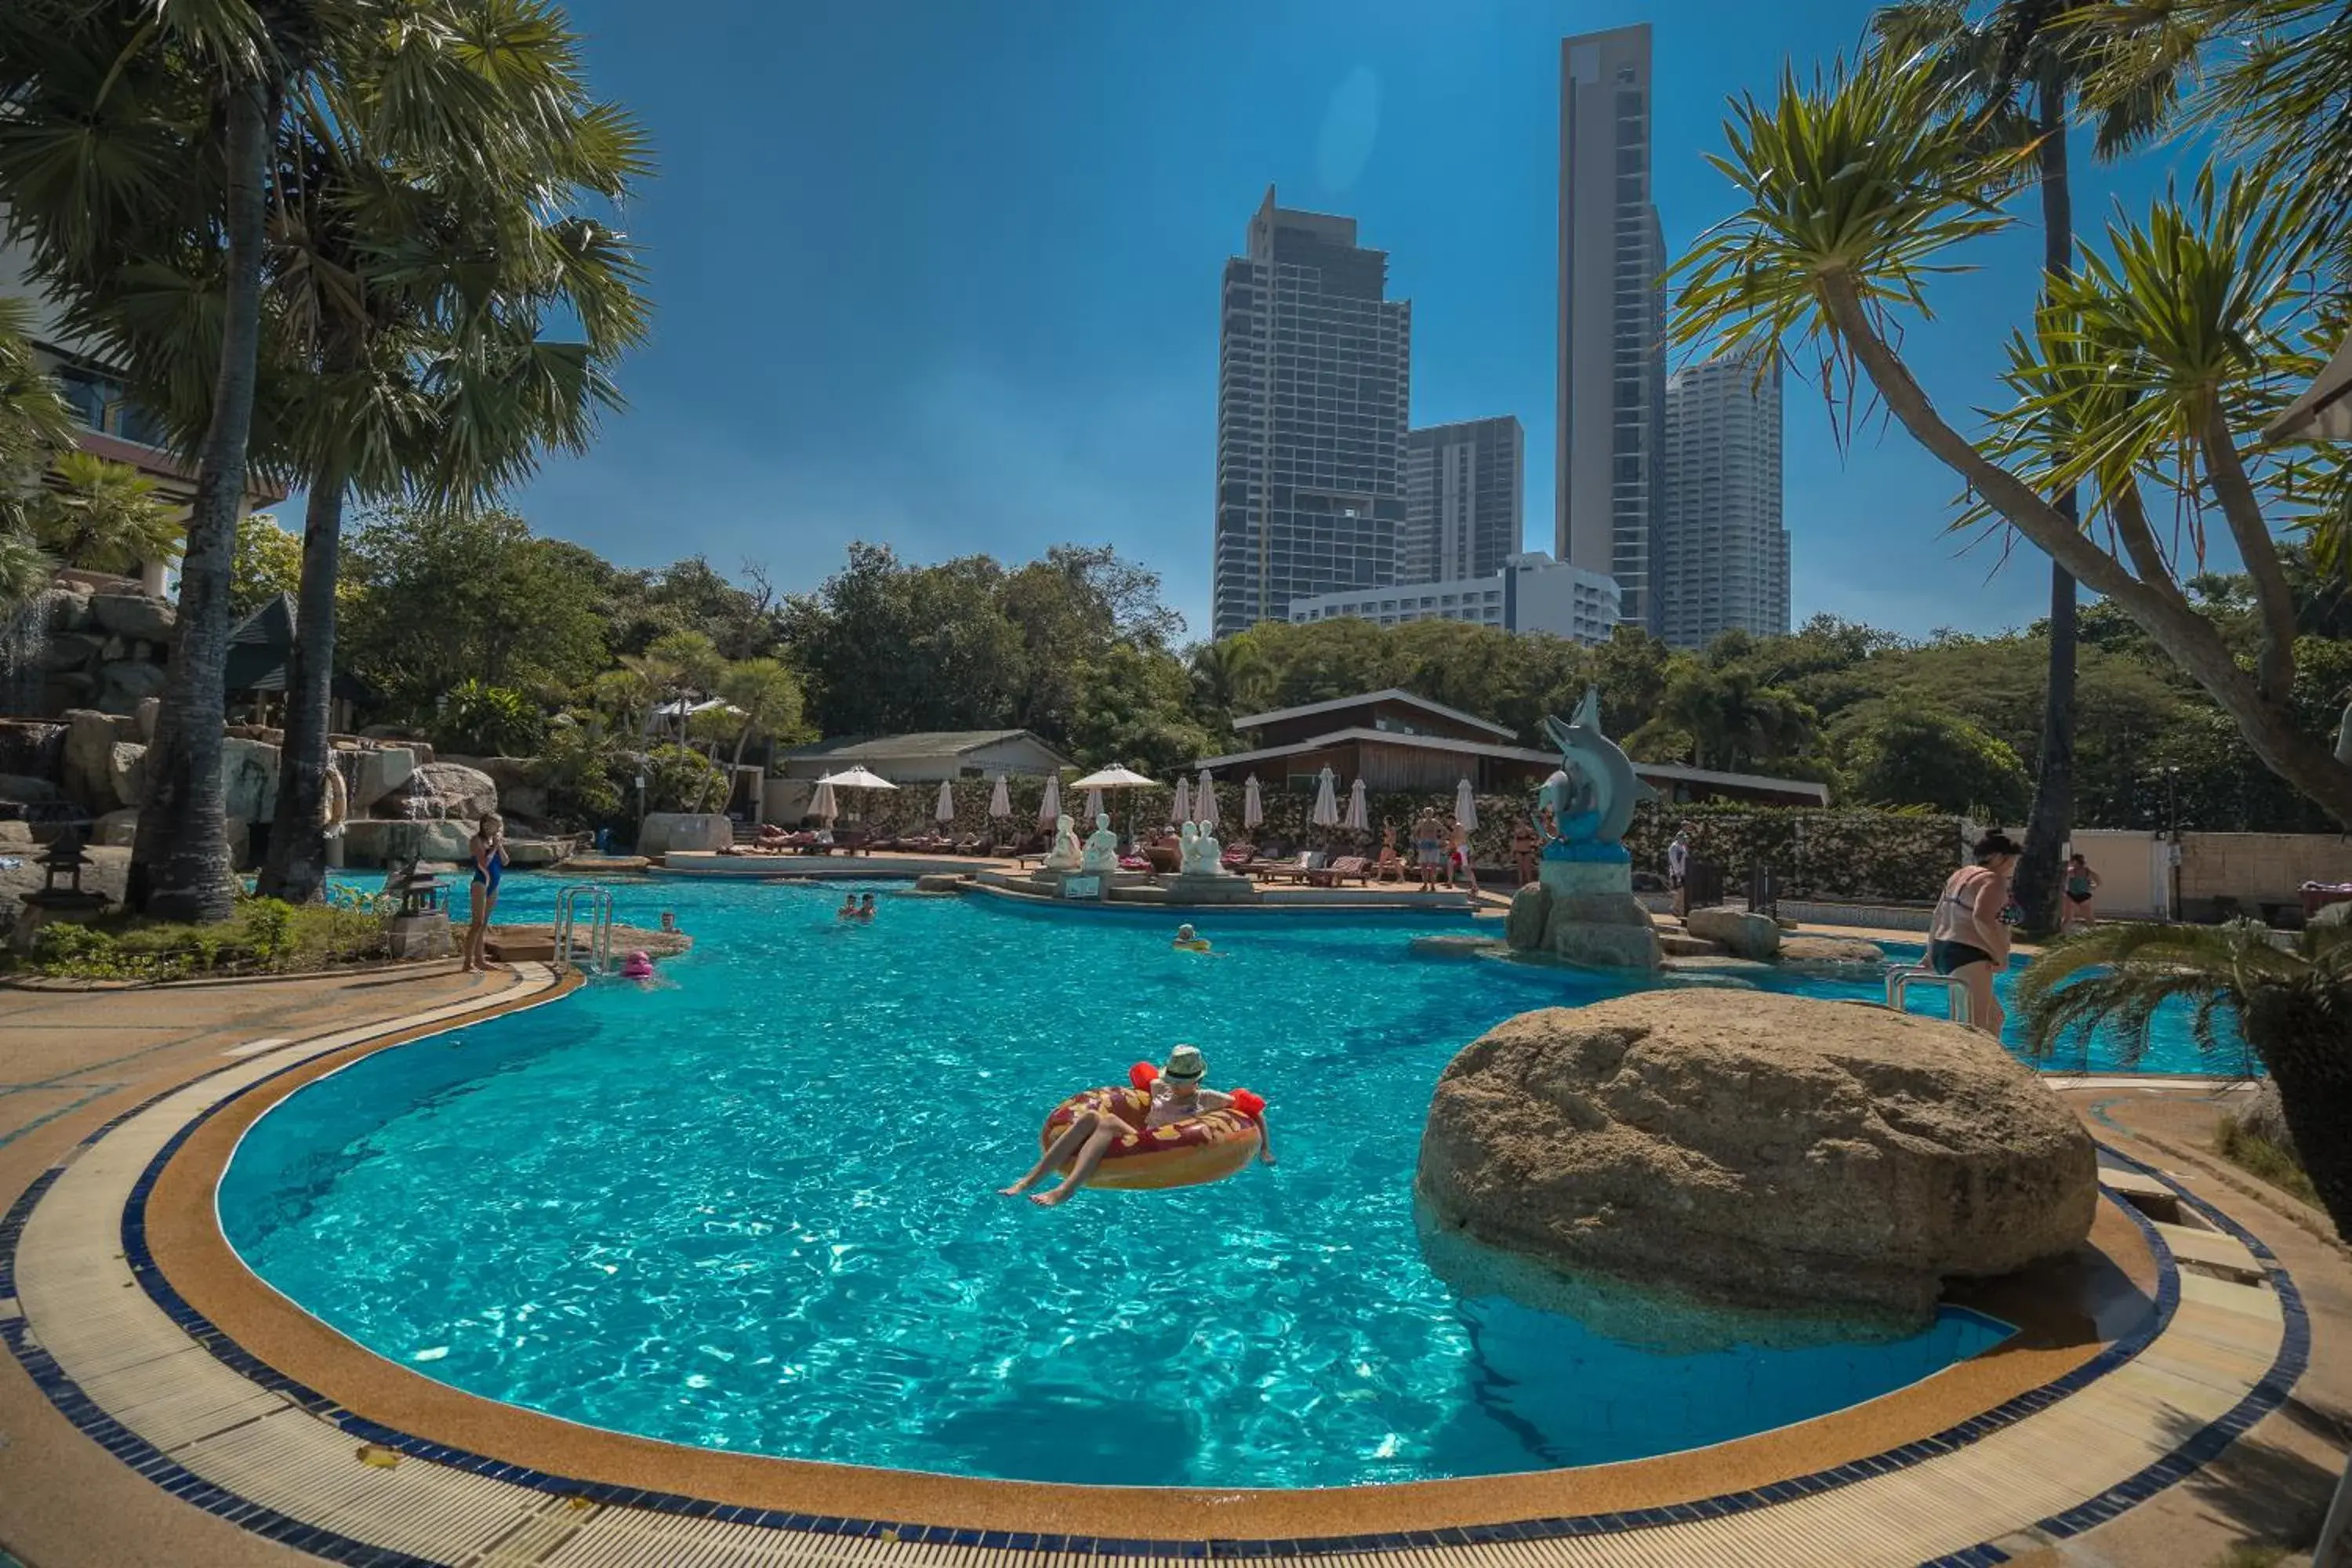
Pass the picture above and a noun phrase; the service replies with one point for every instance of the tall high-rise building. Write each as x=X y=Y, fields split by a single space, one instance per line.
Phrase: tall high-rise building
x=1462 y=485
x=1312 y=376
x=1613 y=316
x=1723 y=561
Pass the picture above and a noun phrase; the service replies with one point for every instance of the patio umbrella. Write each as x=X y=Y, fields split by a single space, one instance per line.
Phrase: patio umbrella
x=1112 y=777
x=855 y=778
x=945 y=810
x=999 y=802
x=1466 y=804
x=1049 y=810
x=822 y=805
x=1252 y=809
x=1204 y=805
x=1358 y=819
x=1094 y=803
x=1184 y=800
x=1327 y=802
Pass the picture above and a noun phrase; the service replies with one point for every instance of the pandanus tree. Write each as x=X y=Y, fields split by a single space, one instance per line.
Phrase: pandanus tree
x=138 y=147
x=430 y=231
x=2015 y=72
x=1857 y=188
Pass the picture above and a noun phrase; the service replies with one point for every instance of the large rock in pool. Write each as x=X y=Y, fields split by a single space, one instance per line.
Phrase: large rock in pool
x=1753 y=1149
x=448 y=790
x=1737 y=932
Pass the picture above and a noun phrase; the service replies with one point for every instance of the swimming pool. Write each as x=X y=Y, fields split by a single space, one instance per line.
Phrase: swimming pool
x=757 y=1211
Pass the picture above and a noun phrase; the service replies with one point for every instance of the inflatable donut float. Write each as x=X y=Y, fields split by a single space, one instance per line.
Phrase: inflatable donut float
x=1188 y=1154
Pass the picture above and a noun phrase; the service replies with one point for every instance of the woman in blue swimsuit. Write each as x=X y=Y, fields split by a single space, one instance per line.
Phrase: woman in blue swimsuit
x=488 y=849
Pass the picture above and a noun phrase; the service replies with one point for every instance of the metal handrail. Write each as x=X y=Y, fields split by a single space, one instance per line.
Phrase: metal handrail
x=1958 y=1006
x=599 y=899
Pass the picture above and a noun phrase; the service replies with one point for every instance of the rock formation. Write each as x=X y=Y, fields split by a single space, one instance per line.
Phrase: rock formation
x=1737 y=932
x=1755 y=1150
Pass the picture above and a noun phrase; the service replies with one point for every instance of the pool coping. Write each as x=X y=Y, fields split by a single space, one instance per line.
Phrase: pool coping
x=573 y=1493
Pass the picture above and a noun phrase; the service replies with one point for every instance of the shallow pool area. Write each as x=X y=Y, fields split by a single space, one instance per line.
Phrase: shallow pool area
x=755 y=1208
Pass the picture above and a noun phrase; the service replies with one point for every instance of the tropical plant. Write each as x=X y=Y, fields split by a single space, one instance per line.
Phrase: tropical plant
x=2017 y=70
x=483 y=720
x=2292 y=1006
x=268 y=562
x=35 y=423
x=104 y=516
x=1229 y=677
x=25 y=573
x=766 y=698
x=1858 y=185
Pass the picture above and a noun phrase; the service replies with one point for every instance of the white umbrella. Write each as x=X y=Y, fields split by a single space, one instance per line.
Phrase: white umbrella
x=1112 y=777
x=1094 y=803
x=857 y=778
x=1204 y=804
x=1183 y=800
x=1000 y=804
x=822 y=805
x=945 y=810
x=1358 y=819
x=1252 y=809
x=1049 y=810
x=1466 y=804
x=1327 y=802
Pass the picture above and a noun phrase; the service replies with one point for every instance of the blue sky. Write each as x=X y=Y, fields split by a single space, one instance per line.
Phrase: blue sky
x=945 y=275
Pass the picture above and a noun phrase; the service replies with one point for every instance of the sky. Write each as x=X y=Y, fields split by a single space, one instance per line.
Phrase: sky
x=945 y=277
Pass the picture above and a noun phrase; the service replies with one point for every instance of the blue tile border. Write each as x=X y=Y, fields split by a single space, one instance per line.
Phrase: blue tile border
x=71 y=1402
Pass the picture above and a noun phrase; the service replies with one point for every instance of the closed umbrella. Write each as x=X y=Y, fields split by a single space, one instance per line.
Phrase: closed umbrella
x=1183 y=800
x=1252 y=809
x=945 y=810
x=1049 y=810
x=1465 y=806
x=1358 y=819
x=1327 y=802
x=822 y=805
x=1204 y=805
x=1094 y=803
x=1000 y=801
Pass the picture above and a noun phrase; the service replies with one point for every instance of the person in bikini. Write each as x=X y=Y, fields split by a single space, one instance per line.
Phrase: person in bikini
x=1966 y=938
x=2079 y=884
x=1176 y=1094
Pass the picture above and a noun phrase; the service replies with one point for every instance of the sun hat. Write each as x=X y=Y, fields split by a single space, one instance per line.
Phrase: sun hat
x=1185 y=1063
x=1184 y=932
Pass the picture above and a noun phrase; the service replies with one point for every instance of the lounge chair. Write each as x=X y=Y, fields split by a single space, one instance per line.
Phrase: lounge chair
x=1303 y=868
x=1346 y=868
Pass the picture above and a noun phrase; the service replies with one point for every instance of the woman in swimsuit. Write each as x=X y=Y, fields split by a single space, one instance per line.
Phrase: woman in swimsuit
x=1176 y=1094
x=1429 y=850
x=1967 y=938
x=2081 y=883
x=488 y=849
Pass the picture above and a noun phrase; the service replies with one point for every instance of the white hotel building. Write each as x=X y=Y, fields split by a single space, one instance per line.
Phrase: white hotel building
x=1532 y=593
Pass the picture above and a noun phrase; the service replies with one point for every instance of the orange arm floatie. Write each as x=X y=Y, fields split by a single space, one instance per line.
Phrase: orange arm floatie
x=1248 y=1104
x=1143 y=1075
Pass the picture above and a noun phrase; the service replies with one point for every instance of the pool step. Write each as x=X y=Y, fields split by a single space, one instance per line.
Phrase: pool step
x=2211 y=1252
x=1677 y=943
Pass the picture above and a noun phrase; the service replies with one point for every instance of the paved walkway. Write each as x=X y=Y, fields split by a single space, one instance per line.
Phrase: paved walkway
x=72 y=1063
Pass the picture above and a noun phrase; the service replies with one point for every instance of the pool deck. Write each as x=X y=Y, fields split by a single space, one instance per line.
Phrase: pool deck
x=2185 y=1392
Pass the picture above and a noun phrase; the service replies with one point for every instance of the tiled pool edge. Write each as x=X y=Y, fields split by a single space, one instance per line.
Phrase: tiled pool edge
x=181 y=1482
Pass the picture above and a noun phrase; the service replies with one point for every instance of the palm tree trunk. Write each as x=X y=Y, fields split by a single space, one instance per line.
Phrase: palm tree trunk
x=2051 y=816
x=180 y=863
x=295 y=869
x=2307 y=1051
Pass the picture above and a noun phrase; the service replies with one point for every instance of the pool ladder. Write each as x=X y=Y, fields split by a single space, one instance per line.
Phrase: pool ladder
x=1956 y=1005
x=599 y=943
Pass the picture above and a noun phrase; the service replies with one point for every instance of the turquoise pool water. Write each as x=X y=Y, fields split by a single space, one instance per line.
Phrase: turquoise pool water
x=756 y=1210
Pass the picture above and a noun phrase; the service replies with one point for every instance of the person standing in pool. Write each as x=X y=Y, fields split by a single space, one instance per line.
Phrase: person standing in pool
x=488 y=849
x=865 y=907
x=1966 y=938
x=848 y=910
x=1176 y=1094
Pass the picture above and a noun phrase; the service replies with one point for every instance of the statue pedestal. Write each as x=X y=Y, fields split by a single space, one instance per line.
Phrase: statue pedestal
x=1586 y=913
x=1066 y=884
x=1210 y=887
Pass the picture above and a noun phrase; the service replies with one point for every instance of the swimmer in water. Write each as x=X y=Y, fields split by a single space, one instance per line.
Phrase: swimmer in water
x=1188 y=941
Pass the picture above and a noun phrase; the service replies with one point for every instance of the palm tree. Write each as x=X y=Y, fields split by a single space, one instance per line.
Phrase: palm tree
x=1859 y=182
x=766 y=695
x=2017 y=71
x=2294 y=1005
x=35 y=423
x=104 y=516
x=136 y=162
x=1228 y=675
x=423 y=244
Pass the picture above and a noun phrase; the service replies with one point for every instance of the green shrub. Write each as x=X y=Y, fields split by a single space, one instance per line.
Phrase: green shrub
x=265 y=936
x=2253 y=1153
x=677 y=779
x=483 y=720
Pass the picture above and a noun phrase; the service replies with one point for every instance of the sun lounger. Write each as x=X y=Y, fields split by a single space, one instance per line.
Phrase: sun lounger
x=1346 y=868
x=1303 y=868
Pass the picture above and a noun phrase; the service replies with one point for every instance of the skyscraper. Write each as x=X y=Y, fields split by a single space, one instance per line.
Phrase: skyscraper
x=1312 y=376
x=1613 y=313
x=1462 y=485
x=1724 y=557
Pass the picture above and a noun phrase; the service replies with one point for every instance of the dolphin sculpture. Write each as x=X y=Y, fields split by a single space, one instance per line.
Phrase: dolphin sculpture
x=1616 y=790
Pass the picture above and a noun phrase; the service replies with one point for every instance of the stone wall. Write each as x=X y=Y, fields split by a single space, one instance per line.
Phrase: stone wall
x=100 y=648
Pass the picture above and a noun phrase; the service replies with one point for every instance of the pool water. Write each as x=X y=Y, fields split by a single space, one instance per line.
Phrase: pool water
x=755 y=1209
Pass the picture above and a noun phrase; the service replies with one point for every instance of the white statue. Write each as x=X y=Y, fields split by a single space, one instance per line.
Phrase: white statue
x=1199 y=855
x=1212 y=856
x=1102 y=847
x=1065 y=855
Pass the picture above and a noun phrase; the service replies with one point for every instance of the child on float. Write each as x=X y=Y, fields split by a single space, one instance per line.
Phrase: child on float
x=1176 y=1093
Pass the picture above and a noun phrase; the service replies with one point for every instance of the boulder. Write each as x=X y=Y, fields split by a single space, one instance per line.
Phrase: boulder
x=126 y=764
x=1738 y=932
x=1829 y=952
x=1602 y=930
x=119 y=829
x=126 y=683
x=370 y=841
x=1756 y=1150
x=249 y=778
x=664 y=831
x=504 y=772
x=378 y=774
x=134 y=615
x=2333 y=914
x=29 y=791
x=71 y=650
x=150 y=709
x=2267 y=1117
x=1530 y=912
x=90 y=738
x=449 y=790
